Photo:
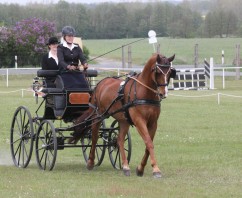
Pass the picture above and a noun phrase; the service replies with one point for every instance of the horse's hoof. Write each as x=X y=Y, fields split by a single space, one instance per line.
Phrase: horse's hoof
x=157 y=175
x=126 y=172
x=139 y=173
x=90 y=167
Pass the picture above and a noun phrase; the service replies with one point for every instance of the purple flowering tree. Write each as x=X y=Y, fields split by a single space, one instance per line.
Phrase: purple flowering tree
x=31 y=35
x=4 y=38
x=27 y=39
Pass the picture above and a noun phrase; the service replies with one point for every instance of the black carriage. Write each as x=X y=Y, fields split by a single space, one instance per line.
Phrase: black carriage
x=64 y=105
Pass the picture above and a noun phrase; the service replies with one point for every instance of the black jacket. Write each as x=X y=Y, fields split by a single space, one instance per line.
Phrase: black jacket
x=49 y=63
x=69 y=57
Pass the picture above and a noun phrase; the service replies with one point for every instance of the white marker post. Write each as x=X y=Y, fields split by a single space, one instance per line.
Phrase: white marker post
x=152 y=38
x=16 y=62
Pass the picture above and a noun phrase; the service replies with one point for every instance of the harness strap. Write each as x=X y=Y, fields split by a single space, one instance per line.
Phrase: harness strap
x=146 y=102
x=136 y=101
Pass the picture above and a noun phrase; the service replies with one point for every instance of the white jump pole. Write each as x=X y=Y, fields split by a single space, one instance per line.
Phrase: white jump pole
x=211 y=74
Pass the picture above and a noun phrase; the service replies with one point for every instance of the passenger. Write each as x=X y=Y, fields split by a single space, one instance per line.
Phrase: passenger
x=50 y=60
x=69 y=54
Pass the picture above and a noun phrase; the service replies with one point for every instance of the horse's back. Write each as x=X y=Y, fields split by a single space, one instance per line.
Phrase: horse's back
x=107 y=90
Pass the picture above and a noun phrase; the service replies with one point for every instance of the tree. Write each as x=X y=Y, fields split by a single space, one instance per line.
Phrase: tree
x=158 y=20
x=6 y=43
x=28 y=39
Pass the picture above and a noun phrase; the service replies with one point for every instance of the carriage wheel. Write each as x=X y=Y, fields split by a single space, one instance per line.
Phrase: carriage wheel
x=113 y=149
x=86 y=142
x=21 y=137
x=46 y=145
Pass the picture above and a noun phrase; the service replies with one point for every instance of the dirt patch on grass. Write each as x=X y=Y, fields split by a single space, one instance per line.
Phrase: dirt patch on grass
x=5 y=157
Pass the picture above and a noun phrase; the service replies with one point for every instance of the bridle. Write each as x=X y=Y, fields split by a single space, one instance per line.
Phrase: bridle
x=157 y=70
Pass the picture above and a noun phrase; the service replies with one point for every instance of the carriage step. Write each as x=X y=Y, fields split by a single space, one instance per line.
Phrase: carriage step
x=60 y=143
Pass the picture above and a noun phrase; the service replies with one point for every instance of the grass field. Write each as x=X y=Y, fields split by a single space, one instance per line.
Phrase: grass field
x=183 y=48
x=198 y=146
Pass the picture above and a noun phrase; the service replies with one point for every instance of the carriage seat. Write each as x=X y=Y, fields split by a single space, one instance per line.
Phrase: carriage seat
x=54 y=73
x=48 y=77
x=47 y=73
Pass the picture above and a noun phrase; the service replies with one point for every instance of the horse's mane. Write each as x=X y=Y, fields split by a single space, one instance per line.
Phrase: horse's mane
x=150 y=62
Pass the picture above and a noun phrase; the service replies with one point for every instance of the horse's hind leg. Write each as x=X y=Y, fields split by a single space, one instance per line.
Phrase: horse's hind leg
x=140 y=169
x=124 y=127
x=90 y=162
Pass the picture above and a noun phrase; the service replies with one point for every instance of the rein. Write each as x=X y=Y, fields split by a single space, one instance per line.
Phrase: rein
x=151 y=89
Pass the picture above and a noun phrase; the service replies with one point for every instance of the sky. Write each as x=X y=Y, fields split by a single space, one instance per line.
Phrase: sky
x=24 y=2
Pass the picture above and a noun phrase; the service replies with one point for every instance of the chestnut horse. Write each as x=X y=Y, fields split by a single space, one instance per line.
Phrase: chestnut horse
x=141 y=95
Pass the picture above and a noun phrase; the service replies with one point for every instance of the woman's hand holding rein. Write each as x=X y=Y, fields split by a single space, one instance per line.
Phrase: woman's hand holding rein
x=73 y=67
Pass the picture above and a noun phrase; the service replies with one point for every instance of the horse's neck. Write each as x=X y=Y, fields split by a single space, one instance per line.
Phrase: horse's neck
x=145 y=75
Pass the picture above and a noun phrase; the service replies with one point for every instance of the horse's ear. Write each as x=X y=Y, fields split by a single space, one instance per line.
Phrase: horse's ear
x=171 y=58
x=158 y=59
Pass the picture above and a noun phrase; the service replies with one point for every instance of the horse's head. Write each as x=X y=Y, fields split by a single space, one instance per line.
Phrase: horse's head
x=163 y=71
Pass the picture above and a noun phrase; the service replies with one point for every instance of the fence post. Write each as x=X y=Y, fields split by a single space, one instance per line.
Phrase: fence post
x=223 y=79
x=129 y=57
x=123 y=57
x=158 y=48
x=16 y=62
x=222 y=57
x=237 y=62
x=218 y=98
x=7 y=77
x=196 y=56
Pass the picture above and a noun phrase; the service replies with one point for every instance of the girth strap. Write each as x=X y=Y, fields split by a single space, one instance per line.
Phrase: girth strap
x=146 y=102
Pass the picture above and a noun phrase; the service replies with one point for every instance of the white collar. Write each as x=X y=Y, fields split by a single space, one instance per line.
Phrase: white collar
x=54 y=57
x=51 y=55
x=66 y=45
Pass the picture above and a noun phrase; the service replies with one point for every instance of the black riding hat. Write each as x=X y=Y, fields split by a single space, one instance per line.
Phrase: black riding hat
x=53 y=40
x=68 y=31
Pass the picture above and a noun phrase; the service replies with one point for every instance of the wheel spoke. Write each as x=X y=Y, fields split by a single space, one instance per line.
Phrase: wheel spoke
x=46 y=155
x=86 y=142
x=114 y=151
x=42 y=155
x=19 y=154
x=19 y=146
x=22 y=145
x=18 y=126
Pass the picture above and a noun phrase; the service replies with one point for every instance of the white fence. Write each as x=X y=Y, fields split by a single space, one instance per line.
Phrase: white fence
x=216 y=71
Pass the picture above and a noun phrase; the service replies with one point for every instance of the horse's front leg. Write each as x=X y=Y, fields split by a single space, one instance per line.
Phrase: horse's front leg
x=147 y=135
x=123 y=130
x=90 y=162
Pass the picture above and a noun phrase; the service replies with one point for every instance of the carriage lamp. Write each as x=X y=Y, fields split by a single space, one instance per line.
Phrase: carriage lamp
x=36 y=84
